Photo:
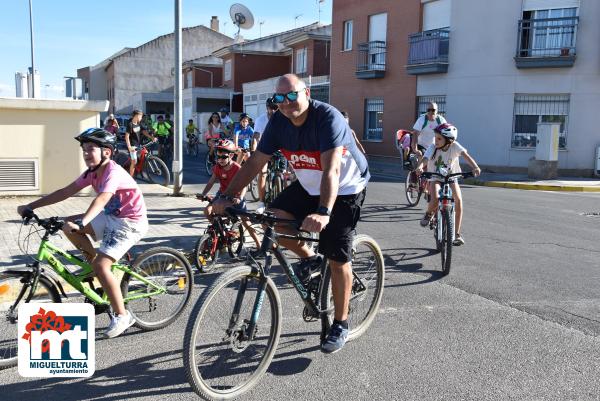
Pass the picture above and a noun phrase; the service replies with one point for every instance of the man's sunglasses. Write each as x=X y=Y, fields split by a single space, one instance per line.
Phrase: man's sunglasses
x=291 y=96
x=431 y=110
x=223 y=156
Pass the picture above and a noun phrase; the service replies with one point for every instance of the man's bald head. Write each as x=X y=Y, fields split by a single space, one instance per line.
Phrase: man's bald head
x=289 y=82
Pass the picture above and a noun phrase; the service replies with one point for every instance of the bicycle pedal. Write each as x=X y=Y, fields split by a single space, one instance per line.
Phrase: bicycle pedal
x=307 y=316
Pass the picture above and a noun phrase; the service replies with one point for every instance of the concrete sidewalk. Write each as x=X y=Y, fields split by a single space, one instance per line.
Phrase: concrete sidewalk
x=174 y=221
x=393 y=169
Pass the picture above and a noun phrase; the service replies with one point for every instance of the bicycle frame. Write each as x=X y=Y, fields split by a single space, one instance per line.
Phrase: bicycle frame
x=263 y=273
x=47 y=253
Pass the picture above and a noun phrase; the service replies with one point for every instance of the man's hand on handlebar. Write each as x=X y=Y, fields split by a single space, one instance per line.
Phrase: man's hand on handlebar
x=315 y=223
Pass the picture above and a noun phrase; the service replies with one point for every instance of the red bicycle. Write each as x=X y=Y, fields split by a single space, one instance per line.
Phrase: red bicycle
x=415 y=186
x=223 y=234
x=148 y=166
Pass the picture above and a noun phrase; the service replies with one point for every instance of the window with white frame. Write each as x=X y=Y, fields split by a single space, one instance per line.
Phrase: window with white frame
x=227 y=71
x=347 y=35
x=301 y=62
x=529 y=110
x=373 y=119
x=550 y=32
x=189 y=79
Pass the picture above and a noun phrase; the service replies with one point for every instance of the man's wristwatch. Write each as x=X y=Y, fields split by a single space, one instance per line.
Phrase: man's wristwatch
x=79 y=223
x=323 y=211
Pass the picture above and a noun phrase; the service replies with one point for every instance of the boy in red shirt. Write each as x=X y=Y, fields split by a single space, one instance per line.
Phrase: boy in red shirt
x=223 y=171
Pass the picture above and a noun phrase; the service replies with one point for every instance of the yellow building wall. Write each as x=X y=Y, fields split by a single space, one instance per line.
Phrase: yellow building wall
x=44 y=130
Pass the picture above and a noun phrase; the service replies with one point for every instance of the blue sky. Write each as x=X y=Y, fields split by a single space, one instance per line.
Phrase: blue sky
x=70 y=34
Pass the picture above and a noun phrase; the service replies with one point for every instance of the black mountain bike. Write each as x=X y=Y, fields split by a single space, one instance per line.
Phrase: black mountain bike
x=234 y=329
x=443 y=223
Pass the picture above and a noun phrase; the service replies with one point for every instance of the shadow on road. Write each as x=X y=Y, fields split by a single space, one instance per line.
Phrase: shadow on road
x=146 y=376
x=385 y=213
x=395 y=262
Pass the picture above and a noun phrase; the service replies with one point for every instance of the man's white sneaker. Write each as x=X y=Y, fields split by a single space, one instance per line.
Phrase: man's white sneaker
x=118 y=324
x=260 y=208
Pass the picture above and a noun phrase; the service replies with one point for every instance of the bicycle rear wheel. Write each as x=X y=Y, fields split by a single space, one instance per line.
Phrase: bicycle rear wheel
x=368 y=270
x=156 y=170
x=206 y=252
x=10 y=289
x=220 y=360
x=411 y=188
x=446 y=243
x=168 y=269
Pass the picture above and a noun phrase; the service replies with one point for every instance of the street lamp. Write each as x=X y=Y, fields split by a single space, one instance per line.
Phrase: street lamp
x=32 y=58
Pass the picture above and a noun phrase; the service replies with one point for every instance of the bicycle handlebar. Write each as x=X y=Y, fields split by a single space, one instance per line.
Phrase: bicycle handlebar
x=429 y=174
x=52 y=225
x=264 y=218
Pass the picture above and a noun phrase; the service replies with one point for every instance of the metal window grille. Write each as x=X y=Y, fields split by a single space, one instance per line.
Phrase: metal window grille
x=373 y=119
x=423 y=101
x=532 y=109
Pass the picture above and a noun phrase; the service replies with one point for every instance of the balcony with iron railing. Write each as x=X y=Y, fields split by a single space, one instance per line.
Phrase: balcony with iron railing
x=547 y=42
x=428 y=52
x=370 y=61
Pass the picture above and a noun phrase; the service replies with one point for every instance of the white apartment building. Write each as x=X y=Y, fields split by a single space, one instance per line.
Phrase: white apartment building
x=497 y=68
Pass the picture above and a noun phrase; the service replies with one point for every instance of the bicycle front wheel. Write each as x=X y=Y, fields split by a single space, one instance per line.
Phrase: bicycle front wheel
x=411 y=188
x=222 y=359
x=206 y=252
x=165 y=268
x=446 y=243
x=208 y=164
x=277 y=185
x=156 y=170
x=368 y=270
x=254 y=189
x=10 y=290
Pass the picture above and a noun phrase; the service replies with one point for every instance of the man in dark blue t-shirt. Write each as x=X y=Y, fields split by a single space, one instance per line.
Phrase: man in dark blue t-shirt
x=332 y=178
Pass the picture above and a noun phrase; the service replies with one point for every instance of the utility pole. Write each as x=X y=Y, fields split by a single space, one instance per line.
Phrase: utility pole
x=177 y=137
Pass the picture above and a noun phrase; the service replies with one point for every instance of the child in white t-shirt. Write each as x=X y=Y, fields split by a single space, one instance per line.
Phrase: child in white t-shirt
x=444 y=155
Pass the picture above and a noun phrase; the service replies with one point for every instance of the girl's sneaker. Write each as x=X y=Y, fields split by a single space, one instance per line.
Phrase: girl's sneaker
x=426 y=219
x=458 y=240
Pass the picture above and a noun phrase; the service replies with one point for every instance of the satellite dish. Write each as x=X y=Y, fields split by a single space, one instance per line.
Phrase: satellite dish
x=241 y=17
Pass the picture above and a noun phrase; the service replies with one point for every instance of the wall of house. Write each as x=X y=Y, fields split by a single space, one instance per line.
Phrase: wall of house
x=319 y=59
x=148 y=68
x=482 y=80
x=250 y=67
x=45 y=129
x=202 y=79
x=397 y=88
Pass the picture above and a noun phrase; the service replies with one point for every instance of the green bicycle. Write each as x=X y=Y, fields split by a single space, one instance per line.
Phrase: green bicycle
x=156 y=287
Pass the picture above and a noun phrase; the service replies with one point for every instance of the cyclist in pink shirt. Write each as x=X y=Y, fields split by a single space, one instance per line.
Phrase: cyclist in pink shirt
x=117 y=217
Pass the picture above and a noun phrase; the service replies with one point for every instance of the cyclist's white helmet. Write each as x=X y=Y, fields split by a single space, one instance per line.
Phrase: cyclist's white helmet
x=447 y=131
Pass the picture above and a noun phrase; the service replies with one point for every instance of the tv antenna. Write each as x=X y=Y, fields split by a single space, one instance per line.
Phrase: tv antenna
x=241 y=17
x=260 y=24
x=296 y=19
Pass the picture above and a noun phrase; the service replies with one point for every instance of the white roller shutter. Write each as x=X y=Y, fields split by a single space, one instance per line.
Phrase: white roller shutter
x=436 y=14
x=529 y=5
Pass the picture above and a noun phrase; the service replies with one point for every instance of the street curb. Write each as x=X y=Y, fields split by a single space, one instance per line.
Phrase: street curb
x=532 y=187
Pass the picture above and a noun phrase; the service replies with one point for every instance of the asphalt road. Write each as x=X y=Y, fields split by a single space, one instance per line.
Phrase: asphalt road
x=517 y=318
